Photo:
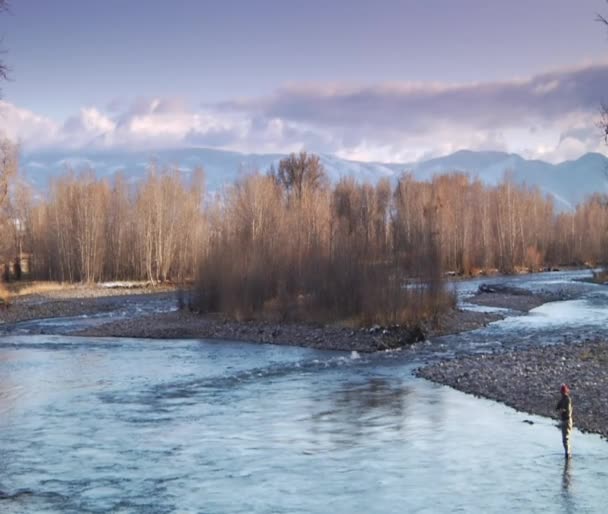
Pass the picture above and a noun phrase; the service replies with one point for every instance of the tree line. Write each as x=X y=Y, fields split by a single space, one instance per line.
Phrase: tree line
x=290 y=244
x=89 y=229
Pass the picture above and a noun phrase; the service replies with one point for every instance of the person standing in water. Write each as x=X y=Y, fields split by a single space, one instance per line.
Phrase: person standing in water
x=564 y=407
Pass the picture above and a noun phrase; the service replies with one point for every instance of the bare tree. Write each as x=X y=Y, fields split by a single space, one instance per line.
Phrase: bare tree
x=336 y=253
x=3 y=66
x=604 y=107
x=297 y=172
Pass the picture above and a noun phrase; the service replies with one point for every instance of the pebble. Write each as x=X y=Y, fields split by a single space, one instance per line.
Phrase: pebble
x=529 y=380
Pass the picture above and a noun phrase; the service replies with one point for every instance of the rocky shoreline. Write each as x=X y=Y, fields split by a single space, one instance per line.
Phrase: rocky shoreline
x=76 y=301
x=182 y=325
x=89 y=300
x=529 y=380
x=515 y=298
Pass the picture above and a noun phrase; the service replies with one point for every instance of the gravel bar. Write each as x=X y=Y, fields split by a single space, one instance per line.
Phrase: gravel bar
x=180 y=325
x=529 y=380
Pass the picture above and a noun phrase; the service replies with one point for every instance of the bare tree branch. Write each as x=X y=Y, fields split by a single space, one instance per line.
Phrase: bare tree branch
x=603 y=122
x=4 y=7
x=600 y=18
x=3 y=68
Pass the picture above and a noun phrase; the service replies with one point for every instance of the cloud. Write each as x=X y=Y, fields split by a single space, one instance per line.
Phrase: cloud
x=425 y=116
x=552 y=115
x=143 y=124
x=23 y=125
x=406 y=107
x=90 y=121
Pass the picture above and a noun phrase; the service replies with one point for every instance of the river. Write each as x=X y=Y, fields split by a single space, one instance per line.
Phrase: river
x=126 y=425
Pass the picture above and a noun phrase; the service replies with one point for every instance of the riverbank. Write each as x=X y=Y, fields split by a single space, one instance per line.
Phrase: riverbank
x=88 y=300
x=517 y=299
x=46 y=301
x=182 y=325
x=529 y=380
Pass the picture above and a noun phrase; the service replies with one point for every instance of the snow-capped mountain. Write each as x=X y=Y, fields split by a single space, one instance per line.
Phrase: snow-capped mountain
x=569 y=182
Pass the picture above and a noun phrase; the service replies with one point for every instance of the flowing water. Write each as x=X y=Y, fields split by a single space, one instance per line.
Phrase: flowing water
x=124 y=425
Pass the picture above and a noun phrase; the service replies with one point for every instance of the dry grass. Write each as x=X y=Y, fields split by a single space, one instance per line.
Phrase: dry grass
x=64 y=290
x=5 y=296
x=29 y=288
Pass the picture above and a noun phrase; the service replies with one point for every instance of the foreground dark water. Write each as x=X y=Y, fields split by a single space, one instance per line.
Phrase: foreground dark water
x=194 y=426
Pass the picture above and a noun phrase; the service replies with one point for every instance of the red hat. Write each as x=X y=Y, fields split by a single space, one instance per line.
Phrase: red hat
x=564 y=389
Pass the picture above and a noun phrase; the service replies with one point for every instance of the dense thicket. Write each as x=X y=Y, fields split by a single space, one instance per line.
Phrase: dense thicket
x=288 y=244
x=322 y=253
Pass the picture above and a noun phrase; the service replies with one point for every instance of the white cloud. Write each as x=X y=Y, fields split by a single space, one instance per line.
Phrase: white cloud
x=551 y=116
x=25 y=126
x=91 y=121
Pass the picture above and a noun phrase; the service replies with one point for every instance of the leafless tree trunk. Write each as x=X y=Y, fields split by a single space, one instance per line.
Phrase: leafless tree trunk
x=8 y=167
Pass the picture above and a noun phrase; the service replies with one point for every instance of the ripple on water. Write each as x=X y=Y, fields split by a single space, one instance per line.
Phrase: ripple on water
x=187 y=426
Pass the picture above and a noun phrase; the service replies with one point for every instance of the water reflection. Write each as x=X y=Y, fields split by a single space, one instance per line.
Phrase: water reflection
x=356 y=409
x=373 y=397
x=567 y=475
x=569 y=500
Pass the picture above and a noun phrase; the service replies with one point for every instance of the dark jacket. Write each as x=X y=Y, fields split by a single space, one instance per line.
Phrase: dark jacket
x=564 y=406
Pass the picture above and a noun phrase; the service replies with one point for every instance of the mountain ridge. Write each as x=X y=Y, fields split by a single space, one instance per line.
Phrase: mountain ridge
x=569 y=182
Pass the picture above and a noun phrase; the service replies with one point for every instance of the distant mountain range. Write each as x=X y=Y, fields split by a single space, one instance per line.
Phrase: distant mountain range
x=569 y=182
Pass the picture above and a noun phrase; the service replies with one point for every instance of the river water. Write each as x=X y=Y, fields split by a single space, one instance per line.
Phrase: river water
x=125 y=425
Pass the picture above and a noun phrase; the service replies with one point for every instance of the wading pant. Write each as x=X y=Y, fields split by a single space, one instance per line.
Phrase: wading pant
x=566 y=429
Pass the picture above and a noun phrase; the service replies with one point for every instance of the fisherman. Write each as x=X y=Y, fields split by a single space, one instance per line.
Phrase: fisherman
x=564 y=406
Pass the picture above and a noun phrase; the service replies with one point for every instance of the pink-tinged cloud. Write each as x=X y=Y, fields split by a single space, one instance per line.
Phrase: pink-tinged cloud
x=552 y=115
x=419 y=106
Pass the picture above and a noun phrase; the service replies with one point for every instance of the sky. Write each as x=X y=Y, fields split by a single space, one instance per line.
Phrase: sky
x=383 y=80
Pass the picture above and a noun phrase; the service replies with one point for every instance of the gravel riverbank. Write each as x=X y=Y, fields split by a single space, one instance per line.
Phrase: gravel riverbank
x=517 y=299
x=177 y=325
x=76 y=301
x=72 y=301
x=180 y=325
x=529 y=380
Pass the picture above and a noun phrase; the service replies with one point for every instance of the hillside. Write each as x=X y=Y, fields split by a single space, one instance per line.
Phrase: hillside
x=568 y=182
